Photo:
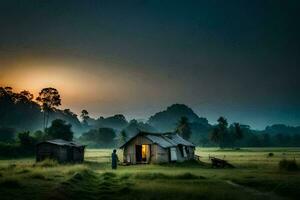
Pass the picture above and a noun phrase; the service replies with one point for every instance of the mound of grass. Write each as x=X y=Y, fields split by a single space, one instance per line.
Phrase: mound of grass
x=152 y=176
x=37 y=176
x=46 y=163
x=108 y=175
x=188 y=176
x=288 y=165
x=23 y=171
x=10 y=183
x=81 y=175
x=11 y=166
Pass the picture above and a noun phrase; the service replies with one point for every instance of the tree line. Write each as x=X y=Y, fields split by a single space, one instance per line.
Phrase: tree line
x=23 y=109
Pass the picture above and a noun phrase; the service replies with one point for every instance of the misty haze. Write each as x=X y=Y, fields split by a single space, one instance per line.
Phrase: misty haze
x=149 y=99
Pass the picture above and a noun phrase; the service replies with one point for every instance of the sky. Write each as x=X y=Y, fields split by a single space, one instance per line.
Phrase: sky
x=238 y=59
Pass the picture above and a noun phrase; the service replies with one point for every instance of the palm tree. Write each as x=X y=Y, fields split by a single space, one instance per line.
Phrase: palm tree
x=237 y=132
x=123 y=137
x=219 y=135
x=183 y=128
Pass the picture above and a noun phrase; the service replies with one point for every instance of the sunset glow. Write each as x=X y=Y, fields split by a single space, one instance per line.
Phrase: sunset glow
x=137 y=59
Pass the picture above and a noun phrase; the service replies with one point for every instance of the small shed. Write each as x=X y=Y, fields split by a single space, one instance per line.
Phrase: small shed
x=157 y=148
x=60 y=150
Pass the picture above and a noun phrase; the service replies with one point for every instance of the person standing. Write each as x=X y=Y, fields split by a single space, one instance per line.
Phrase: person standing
x=114 y=159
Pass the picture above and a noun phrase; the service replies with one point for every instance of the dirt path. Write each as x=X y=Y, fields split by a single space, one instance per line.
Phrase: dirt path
x=268 y=195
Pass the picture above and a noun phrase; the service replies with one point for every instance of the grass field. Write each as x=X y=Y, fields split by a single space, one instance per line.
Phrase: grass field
x=256 y=176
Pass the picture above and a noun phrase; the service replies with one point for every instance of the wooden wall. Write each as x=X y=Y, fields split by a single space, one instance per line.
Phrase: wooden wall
x=59 y=153
x=158 y=154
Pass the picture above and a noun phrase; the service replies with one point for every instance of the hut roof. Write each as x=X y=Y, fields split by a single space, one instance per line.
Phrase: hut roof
x=61 y=142
x=164 y=140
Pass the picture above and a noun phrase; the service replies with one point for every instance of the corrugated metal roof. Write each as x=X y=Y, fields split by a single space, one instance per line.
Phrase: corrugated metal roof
x=179 y=140
x=164 y=140
x=63 y=143
x=160 y=140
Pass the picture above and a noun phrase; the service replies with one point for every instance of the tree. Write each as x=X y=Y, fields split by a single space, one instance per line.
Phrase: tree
x=59 y=129
x=183 y=128
x=48 y=98
x=220 y=134
x=24 y=97
x=106 y=135
x=215 y=136
x=123 y=137
x=26 y=140
x=236 y=133
x=84 y=116
x=266 y=140
x=103 y=137
x=39 y=135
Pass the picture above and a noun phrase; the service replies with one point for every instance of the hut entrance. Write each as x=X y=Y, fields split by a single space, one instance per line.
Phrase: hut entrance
x=142 y=153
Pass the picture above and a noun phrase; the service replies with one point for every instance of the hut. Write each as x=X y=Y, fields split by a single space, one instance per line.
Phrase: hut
x=157 y=148
x=60 y=150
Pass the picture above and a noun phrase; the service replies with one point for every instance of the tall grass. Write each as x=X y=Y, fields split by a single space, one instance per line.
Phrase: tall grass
x=288 y=165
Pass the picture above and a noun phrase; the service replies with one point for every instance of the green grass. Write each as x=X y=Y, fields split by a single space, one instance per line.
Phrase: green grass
x=258 y=177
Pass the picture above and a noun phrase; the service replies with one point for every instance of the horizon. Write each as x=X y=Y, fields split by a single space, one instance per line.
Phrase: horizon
x=137 y=58
x=145 y=117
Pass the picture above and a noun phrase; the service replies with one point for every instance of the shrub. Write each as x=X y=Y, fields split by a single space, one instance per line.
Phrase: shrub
x=270 y=154
x=186 y=176
x=14 y=150
x=23 y=171
x=10 y=183
x=38 y=176
x=288 y=165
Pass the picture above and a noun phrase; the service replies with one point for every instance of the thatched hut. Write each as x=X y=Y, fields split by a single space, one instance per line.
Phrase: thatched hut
x=60 y=150
x=157 y=148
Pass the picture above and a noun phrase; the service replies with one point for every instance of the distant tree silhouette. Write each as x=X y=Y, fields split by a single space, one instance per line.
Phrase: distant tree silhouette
x=266 y=140
x=106 y=135
x=48 y=98
x=183 y=128
x=103 y=137
x=85 y=116
x=236 y=133
x=40 y=135
x=220 y=134
x=59 y=129
x=26 y=140
x=25 y=97
x=215 y=136
x=123 y=137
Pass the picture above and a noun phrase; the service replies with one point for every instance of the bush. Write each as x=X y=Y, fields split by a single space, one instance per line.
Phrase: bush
x=270 y=154
x=152 y=176
x=187 y=176
x=14 y=150
x=38 y=176
x=10 y=183
x=288 y=165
